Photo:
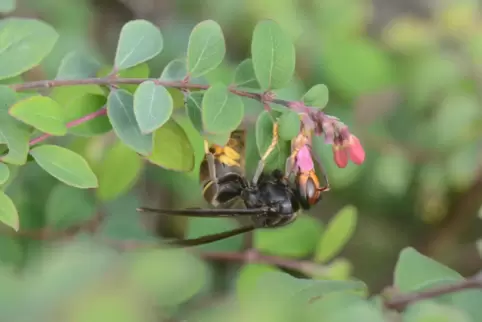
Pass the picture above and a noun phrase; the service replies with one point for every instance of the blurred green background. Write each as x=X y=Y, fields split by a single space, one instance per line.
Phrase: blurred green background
x=406 y=76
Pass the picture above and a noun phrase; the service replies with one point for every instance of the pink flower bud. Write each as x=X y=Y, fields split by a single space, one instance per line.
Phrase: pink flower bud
x=355 y=150
x=340 y=156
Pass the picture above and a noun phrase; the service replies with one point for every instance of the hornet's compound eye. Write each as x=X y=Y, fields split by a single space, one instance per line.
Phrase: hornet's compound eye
x=308 y=186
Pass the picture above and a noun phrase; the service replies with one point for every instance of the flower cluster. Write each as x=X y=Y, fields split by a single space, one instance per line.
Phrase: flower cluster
x=345 y=145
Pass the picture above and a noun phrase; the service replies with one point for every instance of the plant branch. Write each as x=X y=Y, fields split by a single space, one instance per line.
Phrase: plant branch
x=83 y=119
x=249 y=256
x=108 y=81
x=400 y=302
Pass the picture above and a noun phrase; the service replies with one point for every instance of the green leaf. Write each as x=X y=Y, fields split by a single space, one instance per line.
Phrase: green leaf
x=118 y=172
x=297 y=293
x=65 y=95
x=120 y=110
x=153 y=106
x=194 y=109
x=85 y=105
x=317 y=96
x=222 y=111
x=342 y=307
x=198 y=227
x=264 y=136
x=68 y=206
x=16 y=137
x=289 y=125
x=206 y=48
x=244 y=75
x=296 y=240
x=65 y=165
x=13 y=133
x=337 y=234
x=4 y=173
x=8 y=212
x=248 y=277
x=414 y=270
x=194 y=112
x=77 y=65
x=7 y=6
x=428 y=311
x=273 y=55
x=139 y=41
x=339 y=269
x=172 y=149
x=25 y=43
x=41 y=112
x=176 y=71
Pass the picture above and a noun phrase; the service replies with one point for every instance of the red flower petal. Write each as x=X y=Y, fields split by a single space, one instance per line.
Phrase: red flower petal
x=340 y=156
x=356 y=151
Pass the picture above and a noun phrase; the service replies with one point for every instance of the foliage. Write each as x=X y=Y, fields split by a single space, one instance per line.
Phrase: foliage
x=113 y=125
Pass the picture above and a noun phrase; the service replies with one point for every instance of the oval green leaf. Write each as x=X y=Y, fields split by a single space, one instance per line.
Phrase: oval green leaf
x=222 y=111
x=244 y=75
x=16 y=137
x=67 y=206
x=172 y=149
x=337 y=233
x=317 y=96
x=176 y=70
x=120 y=110
x=413 y=270
x=25 y=43
x=65 y=165
x=273 y=55
x=13 y=133
x=264 y=136
x=206 y=48
x=41 y=112
x=8 y=212
x=118 y=172
x=194 y=109
x=296 y=240
x=153 y=106
x=82 y=107
x=4 y=173
x=248 y=278
x=77 y=65
x=139 y=41
x=289 y=125
x=430 y=310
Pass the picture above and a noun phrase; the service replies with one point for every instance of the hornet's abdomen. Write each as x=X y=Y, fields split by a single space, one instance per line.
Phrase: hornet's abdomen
x=228 y=166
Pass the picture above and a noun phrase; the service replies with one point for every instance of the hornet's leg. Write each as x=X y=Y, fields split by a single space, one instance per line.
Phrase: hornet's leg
x=290 y=165
x=210 y=161
x=212 y=181
x=270 y=149
x=326 y=187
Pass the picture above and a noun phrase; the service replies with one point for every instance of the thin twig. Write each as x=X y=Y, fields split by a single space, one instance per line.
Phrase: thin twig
x=248 y=256
x=400 y=302
x=83 y=119
x=107 y=81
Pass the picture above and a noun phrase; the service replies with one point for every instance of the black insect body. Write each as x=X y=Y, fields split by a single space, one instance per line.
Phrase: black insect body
x=269 y=199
